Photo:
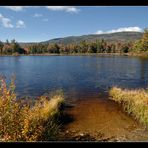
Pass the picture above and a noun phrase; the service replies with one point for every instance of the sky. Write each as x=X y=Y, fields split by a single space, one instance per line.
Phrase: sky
x=41 y=23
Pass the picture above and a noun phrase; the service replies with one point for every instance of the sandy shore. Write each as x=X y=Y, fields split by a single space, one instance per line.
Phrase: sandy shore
x=101 y=119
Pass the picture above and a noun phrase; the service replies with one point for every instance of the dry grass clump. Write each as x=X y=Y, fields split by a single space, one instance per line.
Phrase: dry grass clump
x=135 y=102
x=22 y=121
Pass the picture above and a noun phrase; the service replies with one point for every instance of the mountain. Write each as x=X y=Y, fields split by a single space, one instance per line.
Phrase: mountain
x=112 y=37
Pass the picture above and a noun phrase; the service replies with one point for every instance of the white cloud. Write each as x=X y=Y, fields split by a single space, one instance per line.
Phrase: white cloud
x=15 y=8
x=37 y=15
x=45 y=20
x=126 y=29
x=63 y=8
x=6 y=22
x=136 y=29
x=20 y=24
x=53 y=8
x=99 y=32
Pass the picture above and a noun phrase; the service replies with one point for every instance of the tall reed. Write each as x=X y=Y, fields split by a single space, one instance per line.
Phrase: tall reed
x=134 y=102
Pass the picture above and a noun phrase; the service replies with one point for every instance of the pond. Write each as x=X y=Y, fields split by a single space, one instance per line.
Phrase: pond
x=77 y=76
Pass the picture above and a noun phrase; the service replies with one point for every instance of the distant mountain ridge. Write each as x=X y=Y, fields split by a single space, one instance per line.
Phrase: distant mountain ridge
x=112 y=37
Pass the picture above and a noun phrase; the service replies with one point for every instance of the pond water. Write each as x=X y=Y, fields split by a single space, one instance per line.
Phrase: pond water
x=77 y=76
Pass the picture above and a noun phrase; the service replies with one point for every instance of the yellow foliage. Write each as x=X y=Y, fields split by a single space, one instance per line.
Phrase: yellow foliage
x=20 y=121
x=134 y=102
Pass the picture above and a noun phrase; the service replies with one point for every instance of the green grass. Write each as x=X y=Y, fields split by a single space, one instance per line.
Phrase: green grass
x=134 y=102
x=25 y=121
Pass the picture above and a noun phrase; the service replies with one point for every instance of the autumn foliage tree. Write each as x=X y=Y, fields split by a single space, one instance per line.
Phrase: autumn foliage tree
x=1 y=47
x=144 y=40
x=53 y=48
x=142 y=44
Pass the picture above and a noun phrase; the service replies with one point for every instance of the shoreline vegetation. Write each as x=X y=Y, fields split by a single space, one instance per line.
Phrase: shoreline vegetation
x=134 y=102
x=22 y=120
x=88 y=47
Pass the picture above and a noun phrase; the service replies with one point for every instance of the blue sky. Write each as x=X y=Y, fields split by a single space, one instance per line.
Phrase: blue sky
x=30 y=24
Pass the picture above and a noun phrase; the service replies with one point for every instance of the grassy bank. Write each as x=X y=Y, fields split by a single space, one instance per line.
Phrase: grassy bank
x=28 y=121
x=134 y=102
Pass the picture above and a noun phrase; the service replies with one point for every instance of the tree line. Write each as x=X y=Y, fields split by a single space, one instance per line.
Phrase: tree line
x=98 y=46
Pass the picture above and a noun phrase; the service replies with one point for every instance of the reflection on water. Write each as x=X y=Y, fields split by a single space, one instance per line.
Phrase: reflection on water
x=76 y=75
x=144 y=68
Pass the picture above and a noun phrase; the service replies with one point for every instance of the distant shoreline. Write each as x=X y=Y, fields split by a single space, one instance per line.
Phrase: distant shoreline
x=85 y=54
